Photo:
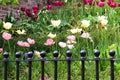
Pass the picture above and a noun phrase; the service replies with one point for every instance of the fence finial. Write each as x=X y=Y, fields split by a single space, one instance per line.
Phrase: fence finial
x=30 y=54
x=112 y=53
x=83 y=53
x=55 y=53
x=43 y=54
x=96 y=53
x=17 y=54
x=68 y=53
x=6 y=55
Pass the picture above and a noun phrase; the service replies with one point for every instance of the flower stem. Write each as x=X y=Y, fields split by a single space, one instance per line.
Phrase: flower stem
x=9 y=46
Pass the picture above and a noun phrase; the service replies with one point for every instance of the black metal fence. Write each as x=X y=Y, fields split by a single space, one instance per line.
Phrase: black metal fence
x=68 y=59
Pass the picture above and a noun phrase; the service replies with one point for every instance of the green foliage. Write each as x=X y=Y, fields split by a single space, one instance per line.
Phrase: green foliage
x=13 y=2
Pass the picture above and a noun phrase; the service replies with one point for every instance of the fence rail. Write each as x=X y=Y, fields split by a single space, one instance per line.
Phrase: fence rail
x=68 y=59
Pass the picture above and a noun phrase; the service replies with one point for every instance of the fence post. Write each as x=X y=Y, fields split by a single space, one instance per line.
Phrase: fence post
x=55 y=54
x=97 y=53
x=42 y=54
x=30 y=55
x=83 y=54
x=69 y=54
x=112 y=53
x=18 y=55
x=6 y=55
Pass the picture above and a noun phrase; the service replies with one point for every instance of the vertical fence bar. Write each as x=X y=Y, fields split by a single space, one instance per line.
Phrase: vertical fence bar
x=112 y=53
x=83 y=54
x=97 y=53
x=42 y=54
x=69 y=54
x=6 y=55
x=18 y=55
x=55 y=54
x=30 y=55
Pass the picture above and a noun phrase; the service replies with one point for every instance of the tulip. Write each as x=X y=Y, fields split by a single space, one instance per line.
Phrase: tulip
x=31 y=41
x=23 y=44
x=101 y=4
x=55 y=23
x=23 y=9
x=20 y=32
x=51 y=35
x=85 y=23
x=7 y=25
x=71 y=38
x=35 y=9
x=104 y=22
x=100 y=18
x=49 y=42
x=28 y=12
x=37 y=53
x=49 y=7
x=70 y=46
x=6 y=36
x=62 y=44
x=85 y=35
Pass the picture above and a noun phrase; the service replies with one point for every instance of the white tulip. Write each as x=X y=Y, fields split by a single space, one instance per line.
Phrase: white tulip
x=100 y=18
x=51 y=35
x=104 y=22
x=85 y=23
x=7 y=25
x=20 y=31
x=55 y=23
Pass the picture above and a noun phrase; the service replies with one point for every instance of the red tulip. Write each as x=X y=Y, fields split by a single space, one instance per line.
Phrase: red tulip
x=101 y=4
x=118 y=4
x=113 y=5
x=28 y=12
x=36 y=17
x=49 y=7
x=23 y=9
x=57 y=3
x=35 y=9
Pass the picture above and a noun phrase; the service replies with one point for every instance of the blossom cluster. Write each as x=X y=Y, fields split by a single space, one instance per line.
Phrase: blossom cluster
x=7 y=35
x=49 y=6
x=33 y=13
x=26 y=43
x=101 y=3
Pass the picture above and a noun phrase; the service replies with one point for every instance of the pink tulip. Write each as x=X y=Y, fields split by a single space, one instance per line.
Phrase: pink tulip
x=85 y=35
x=20 y=43
x=49 y=42
x=31 y=41
x=6 y=36
x=23 y=44
x=26 y=44
x=71 y=38
x=62 y=44
x=1 y=50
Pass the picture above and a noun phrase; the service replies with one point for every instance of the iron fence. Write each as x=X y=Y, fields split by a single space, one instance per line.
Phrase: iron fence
x=68 y=59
